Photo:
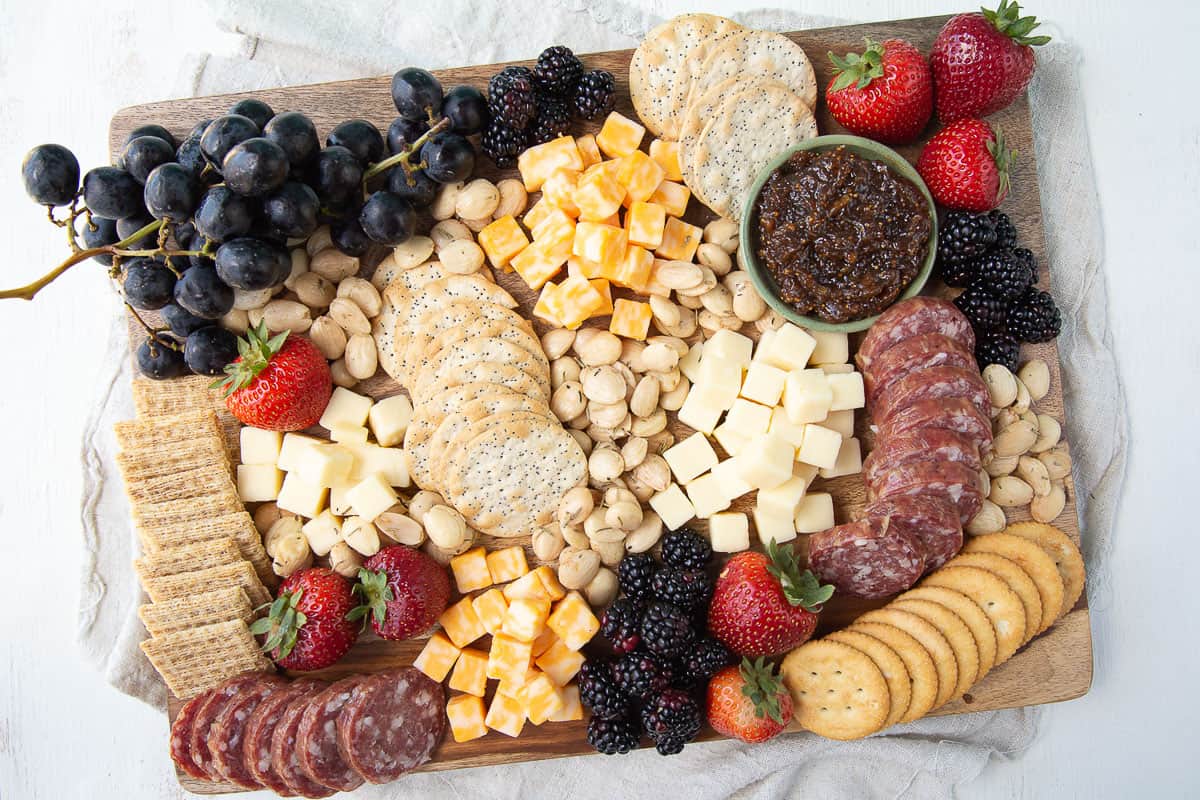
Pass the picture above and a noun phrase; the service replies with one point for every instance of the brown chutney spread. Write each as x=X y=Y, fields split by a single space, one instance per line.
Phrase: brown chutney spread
x=842 y=235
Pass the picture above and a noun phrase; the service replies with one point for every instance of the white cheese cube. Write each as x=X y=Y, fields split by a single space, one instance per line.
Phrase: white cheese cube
x=258 y=483
x=766 y=461
x=323 y=532
x=831 y=347
x=773 y=526
x=748 y=418
x=807 y=396
x=840 y=421
x=689 y=365
x=849 y=460
x=327 y=465
x=387 y=461
x=301 y=497
x=788 y=349
x=732 y=441
x=806 y=471
x=729 y=532
x=821 y=446
x=836 y=369
x=763 y=383
x=847 y=390
x=259 y=446
x=784 y=428
x=707 y=496
x=701 y=409
x=690 y=458
x=782 y=500
x=372 y=497
x=764 y=345
x=389 y=419
x=730 y=346
x=339 y=503
x=722 y=379
x=294 y=446
x=345 y=408
x=672 y=506
x=815 y=513
x=729 y=479
x=348 y=434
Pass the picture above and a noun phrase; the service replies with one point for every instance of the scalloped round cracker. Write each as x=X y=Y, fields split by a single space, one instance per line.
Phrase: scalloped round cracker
x=758 y=54
x=950 y=625
x=923 y=678
x=931 y=639
x=890 y=664
x=485 y=372
x=456 y=422
x=994 y=597
x=395 y=306
x=1065 y=553
x=838 y=692
x=459 y=312
x=1037 y=564
x=471 y=351
x=1020 y=582
x=519 y=335
x=969 y=613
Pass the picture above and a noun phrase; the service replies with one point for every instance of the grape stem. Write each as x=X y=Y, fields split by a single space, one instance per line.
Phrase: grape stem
x=152 y=332
x=404 y=157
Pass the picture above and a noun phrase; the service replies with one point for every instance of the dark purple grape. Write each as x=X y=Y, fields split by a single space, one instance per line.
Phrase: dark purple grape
x=349 y=237
x=416 y=93
x=338 y=177
x=417 y=188
x=202 y=292
x=223 y=134
x=388 y=218
x=252 y=264
x=157 y=131
x=101 y=233
x=141 y=155
x=222 y=215
x=181 y=321
x=148 y=284
x=448 y=158
x=158 y=361
x=172 y=193
x=111 y=192
x=292 y=210
x=128 y=226
x=467 y=110
x=296 y=134
x=189 y=154
x=359 y=137
x=209 y=349
x=51 y=175
x=255 y=167
x=403 y=132
x=254 y=109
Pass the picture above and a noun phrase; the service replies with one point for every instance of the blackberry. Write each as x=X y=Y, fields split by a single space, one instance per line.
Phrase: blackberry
x=1006 y=232
x=611 y=737
x=595 y=95
x=557 y=72
x=687 y=549
x=553 y=119
x=963 y=235
x=1026 y=256
x=666 y=630
x=635 y=574
x=502 y=144
x=670 y=745
x=1034 y=317
x=705 y=659
x=958 y=274
x=1002 y=275
x=621 y=624
x=685 y=588
x=641 y=675
x=510 y=97
x=997 y=348
x=599 y=693
x=672 y=718
x=986 y=313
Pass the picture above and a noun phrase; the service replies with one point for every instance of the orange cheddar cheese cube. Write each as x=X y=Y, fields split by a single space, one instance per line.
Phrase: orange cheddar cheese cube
x=548 y=305
x=634 y=270
x=673 y=197
x=526 y=619
x=461 y=623
x=579 y=300
x=619 y=136
x=559 y=189
x=506 y=715
x=509 y=658
x=667 y=155
x=573 y=621
x=470 y=673
x=466 y=716
x=572 y=708
x=630 y=319
x=555 y=227
x=600 y=243
x=645 y=223
x=656 y=286
x=502 y=240
x=528 y=586
x=582 y=268
x=679 y=241
x=560 y=663
x=437 y=657
x=588 y=150
x=538 y=212
x=539 y=162
x=543 y=642
x=539 y=262
x=541 y=699
x=602 y=286
x=554 y=589
x=598 y=195
x=507 y=564
x=470 y=570
x=640 y=175
x=491 y=607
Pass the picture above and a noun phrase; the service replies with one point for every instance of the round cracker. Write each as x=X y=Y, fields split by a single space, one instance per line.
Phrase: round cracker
x=950 y=625
x=969 y=613
x=923 y=678
x=1065 y=553
x=383 y=330
x=838 y=692
x=1037 y=564
x=1015 y=577
x=944 y=660
x=758 y=54
x=473 y=351
x=519 y=335
x=994 y=597
x=890 y=664
x=458 y=421
x=456 y=313
x=486 y=372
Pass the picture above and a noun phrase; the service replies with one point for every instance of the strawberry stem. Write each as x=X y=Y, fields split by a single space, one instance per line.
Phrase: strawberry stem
x=1007 y=20
x=373 y=588
x=762 y=687
x=857 y=69
x=1004 y=159
x=799 y=588
x=254 y=354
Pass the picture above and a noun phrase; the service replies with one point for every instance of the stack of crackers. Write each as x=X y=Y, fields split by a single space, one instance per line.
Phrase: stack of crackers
x=934 y=642
x=733 y=98
x=203 y=565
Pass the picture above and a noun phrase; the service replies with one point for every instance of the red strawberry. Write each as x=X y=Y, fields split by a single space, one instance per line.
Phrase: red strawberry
x=965 y=165
x=749 y=702
x=280 y=384
x=983 y=61
x=307 y=626
x=764 y=606
x=886 y=93
x=404 y=591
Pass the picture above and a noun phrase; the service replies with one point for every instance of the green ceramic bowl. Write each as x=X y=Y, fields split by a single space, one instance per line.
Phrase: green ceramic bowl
x=765 y=283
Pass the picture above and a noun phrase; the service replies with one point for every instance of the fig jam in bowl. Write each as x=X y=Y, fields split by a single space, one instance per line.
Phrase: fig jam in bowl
x=836 y=230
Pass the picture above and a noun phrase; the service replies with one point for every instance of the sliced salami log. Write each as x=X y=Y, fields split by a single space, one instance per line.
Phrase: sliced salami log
x=317 y=738
x=953 y=414
x=948 y=480
x=870 y=558
x=912 y=355
x=392 y=724
x=914 y=317
x=931 y=444
x=930 y=520
x=207 y=714
x=936 y=383
x=285 y=756
x=181 y=736
x=229 y=730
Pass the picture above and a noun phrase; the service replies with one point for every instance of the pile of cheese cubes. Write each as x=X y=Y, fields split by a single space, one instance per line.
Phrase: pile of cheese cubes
x=782 y=422
x=578 y=223
x=537 y=631
x=325 y=481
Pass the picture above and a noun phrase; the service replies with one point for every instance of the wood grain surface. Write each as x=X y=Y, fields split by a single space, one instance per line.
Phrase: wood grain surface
x=1054 y=667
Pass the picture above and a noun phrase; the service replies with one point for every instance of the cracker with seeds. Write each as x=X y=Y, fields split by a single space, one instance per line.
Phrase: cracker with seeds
x=492 y=372
x=923 y=685
x=459 y=355
x=383 y=329
x=451 y=317
x=838 y=692
x=445 y=437
x=1038 y=565
x=752 y=55
x=240 y=573
x=889 y=663
x=187 y=558
x=479 y=328
x=194 y=660
x=931 y=639
x=1063 y=551
x=993 y=596
x=193 y=611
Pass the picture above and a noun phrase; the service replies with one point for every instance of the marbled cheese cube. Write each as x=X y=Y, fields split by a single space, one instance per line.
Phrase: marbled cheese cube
x=470 y=673
x=549 y=305
x=673 y=507
x=541 y=699
x=603 y=244
x=491 y=607
x=437 y=657
x=539 y=162
x=549 y=580
x=503 y=239
x=573 y=621
x=526 y=618
x=619 y=136
x=543 y=642
x=560 y=662
x=673 y=197
x=640 y=175
x=571 y=709
x=512 y=686
x=470 y=570
x=461 y=623
x=633 y=272
x=506 y=715
x=345 y=408
x=588 y=150
x=582 y=268
x=578 y=300
x=729 y=532
x=666 y=154
x=645 y=223
x=539 y=262
x=692 y=457
x=259 y=446
x=507 y=564
x=679 y=241
x=466 y=717
x=559 y=189
x=598 y=196
x=630 y=318
x=529 y=586
x=509 y=658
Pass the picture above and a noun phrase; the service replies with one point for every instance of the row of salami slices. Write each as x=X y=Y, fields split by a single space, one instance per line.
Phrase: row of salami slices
x=931 y=415
x=309 y=737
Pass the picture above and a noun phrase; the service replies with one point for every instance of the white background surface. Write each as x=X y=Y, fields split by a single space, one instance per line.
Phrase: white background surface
x=65 y=67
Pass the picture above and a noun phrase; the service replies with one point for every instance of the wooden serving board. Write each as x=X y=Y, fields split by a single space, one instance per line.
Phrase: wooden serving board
x=1056 y=666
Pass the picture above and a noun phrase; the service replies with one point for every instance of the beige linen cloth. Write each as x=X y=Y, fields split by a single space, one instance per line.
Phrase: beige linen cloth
x=305 y=41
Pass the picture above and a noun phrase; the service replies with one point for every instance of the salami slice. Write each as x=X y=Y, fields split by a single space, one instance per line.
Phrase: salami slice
x=256 y=745
x=948 y=480
x=181 y=736
x=931 y=444
x=911 y=355
x=285 y=755
x=229 y=729
x=930 y=520
x=953 y=414
x=937 y=383
x=392 y=724
x=914 y=317
x=317 y=739
x=207 y=714
x=870 y=558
